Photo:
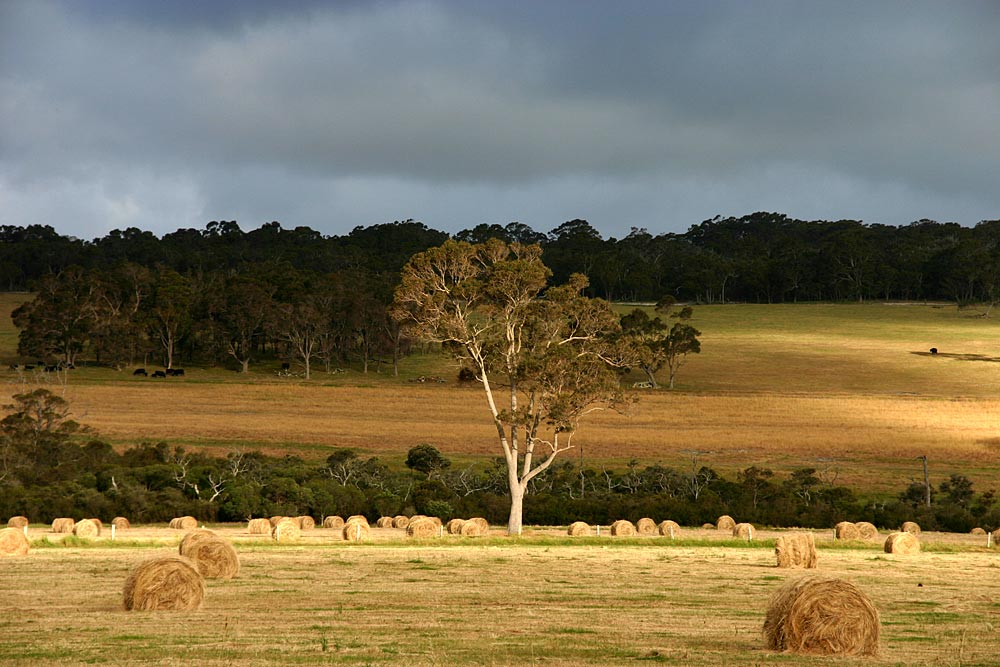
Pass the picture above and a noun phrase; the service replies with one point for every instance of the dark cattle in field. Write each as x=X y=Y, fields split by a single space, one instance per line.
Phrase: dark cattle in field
x=285 y=366
x=29 y=367
x=178 y=372
x=933 y=350
x=51 y=369
x=140 y=371
x=159 y=374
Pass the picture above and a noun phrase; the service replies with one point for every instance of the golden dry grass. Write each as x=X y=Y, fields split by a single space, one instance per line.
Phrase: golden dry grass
x=463 y=604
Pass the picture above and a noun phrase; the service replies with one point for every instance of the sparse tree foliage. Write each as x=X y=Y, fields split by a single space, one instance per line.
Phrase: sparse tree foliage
x=545 y=358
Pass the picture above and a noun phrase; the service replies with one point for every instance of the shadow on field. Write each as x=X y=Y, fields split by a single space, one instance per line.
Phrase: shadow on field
x=959 y=357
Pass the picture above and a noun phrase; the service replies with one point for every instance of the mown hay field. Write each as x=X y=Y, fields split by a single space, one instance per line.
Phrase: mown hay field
x=848 y=389
x=496 y=602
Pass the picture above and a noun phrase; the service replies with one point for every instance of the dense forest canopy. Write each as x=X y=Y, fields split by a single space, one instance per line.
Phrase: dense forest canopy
x=762 y=258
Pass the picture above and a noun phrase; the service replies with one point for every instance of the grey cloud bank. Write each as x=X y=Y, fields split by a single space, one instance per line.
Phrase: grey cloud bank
x=647 y=114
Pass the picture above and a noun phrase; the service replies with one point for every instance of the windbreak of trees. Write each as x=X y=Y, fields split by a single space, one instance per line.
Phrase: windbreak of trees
x=51 y=467
x=761 y=258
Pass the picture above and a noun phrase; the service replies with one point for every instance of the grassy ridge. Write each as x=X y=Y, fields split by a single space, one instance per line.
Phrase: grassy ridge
x=846 y=388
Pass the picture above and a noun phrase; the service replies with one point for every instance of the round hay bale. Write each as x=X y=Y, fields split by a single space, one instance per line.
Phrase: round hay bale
x=977 y=531
x=902 y=543
x=275 y=519
x=454 y=527
x=845 y=530
x=823 y=616
x=996 y=536
x=356 y=531
x=184 y=523
x=259 y=526
x=333 y=522
x=422 y=528
x=100 y=524
x=645 y=526
x=400 y=521
x=910 y=527
x=744 y=531
x=475 y=527
x=86 y=528
x=166 y=583
x=436 y=519
x=121 y=523
x=13 y=542
x=708 y=525
x=578 y=529
x=866 y=531
x=215 y=557
x=622 y=528
x=725 y=522
x=796 y=550
x=17 y=522
x=384 y=522
x=357 y=517
x=63 y=525
x=669 y=529
x=193 y=538
x=286 y=530
x=306 y=522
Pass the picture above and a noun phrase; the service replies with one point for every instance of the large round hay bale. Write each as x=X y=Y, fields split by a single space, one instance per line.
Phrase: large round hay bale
x=384 y=522
x=436 y=519
x=121 y=523
x=192 y=538
x=17 y=522
x=977 y=531
x=823 y=616
x=796 y=550
x=475 y=527
x=454 y=527
x=902 y=543
x=845 y=530
x=165 y=583
x=725 y=522
x=356 y=531
x=669 y=529
x=306 y=522
x=259 y=526
x=86 y=528
x=744 y=531
x=333 y=522
x=286 y=530
x=13 y=542
x=400 y=521
x=215 y=557
x=645 y=526
x=708 y=525
x=622 y=528
x=63 y=525
x=996 y=536
x=866 y=531
x=100 y=524
x=578 y=529
x=357 y=517
x=422 y=528
x=910 y=527
x=184 y=523
x=275 y=519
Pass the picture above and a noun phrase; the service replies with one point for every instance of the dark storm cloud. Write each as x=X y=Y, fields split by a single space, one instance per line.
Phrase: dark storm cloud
x=168 y=114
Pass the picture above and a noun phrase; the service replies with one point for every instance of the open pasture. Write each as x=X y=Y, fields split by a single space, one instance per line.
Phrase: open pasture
x=497 y=601
x=848 y=389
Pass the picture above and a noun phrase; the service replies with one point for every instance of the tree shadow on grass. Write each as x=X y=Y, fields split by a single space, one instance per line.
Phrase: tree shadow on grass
x=959 y=356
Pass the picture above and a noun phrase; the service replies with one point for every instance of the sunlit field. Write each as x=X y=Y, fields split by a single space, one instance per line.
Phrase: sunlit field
x=848 y=389
x=541 y=599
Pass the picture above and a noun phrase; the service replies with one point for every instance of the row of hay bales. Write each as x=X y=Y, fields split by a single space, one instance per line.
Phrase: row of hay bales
x=357 y=529
x=177 y=582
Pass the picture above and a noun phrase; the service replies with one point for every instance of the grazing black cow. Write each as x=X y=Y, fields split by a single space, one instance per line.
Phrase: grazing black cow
x=285 y=366
x=51 y=369
x=29 y=367
x=159 y=374
x=140 y=371
x=933 y=350
x=178 y=372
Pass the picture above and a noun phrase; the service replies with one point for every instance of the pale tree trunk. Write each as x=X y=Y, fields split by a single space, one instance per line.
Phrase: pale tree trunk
x=514 y=523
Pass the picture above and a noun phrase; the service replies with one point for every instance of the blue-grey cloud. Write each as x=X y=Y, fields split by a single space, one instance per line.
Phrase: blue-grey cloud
x=165 y=115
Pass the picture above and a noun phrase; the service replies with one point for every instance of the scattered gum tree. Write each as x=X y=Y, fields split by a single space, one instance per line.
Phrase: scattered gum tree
x=545 y=357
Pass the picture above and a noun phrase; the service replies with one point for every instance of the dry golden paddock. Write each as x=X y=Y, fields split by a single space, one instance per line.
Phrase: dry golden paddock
x=543 y=599
x=848 y=389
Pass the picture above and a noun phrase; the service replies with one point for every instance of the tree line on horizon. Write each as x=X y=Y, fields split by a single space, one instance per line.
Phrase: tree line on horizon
x=757 y=258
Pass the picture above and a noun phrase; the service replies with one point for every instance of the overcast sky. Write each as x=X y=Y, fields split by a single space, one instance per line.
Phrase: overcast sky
x=171 y=113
